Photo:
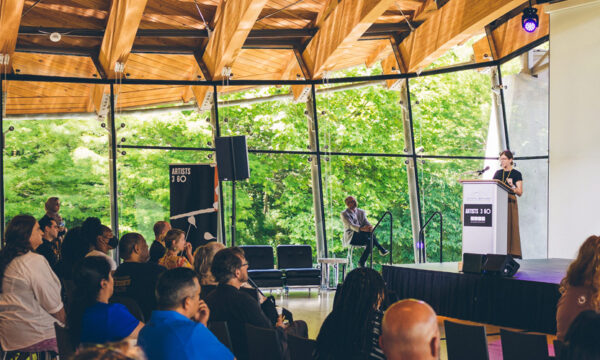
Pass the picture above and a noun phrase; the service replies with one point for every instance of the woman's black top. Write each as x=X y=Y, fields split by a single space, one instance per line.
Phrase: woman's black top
x=513 y=174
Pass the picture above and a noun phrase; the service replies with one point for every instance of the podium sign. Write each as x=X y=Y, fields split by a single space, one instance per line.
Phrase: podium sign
x=485 y=216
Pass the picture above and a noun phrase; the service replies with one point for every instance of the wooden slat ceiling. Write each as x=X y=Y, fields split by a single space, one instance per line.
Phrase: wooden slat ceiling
x=171 y=38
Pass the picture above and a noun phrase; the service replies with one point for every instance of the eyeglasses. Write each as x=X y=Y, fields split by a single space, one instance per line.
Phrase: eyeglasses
x=244 y=264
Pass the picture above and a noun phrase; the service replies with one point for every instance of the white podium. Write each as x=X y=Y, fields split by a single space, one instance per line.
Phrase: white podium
x=485 y=216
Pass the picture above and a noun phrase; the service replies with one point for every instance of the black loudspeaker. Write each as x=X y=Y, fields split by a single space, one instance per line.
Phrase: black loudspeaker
x=232 y=158
x=473 y=263
x=500 y=265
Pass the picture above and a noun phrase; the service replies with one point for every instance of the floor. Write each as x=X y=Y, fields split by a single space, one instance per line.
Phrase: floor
x=315 y=307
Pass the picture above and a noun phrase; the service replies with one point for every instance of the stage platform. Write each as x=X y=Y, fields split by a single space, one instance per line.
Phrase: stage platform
x=526 y=301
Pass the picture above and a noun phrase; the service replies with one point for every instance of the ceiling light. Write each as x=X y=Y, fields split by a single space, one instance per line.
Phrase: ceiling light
x=55 y=37
x=530 y=20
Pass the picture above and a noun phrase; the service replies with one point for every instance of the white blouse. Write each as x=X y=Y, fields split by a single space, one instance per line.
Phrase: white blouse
x=30 y=293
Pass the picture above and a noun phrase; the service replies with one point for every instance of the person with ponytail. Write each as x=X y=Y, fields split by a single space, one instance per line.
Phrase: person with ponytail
x=176 y=244
x=100 y=239
x=92 y=320
x=30 y=301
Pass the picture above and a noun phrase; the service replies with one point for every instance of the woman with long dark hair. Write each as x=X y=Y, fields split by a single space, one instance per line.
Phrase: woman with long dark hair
x=580 y=288
x=91 y=318
x=514 y=180
x=351 y=331
x=100 y=239
x=30 y=301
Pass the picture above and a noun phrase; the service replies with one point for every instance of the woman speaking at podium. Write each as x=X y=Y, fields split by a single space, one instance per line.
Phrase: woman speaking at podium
x=514 y=180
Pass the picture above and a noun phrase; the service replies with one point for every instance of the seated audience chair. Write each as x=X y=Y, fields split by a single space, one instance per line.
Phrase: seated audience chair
x=558 y=348
x=300 y=348
x=296 y=262
x=261 y=266
x=523 y=346
x=466 y=341
x=63 y=340
x=221 y=331
x=262 y=343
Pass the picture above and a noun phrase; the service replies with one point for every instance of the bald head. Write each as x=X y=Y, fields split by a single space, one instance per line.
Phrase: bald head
x=409 y=330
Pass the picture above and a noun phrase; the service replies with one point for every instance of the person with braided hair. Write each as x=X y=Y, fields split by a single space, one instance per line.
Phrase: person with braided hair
x=30 y=301
x=100 y=239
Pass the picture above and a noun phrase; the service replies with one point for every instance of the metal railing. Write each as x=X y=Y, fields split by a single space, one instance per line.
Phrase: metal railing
x=391 y=237
x=421 y=242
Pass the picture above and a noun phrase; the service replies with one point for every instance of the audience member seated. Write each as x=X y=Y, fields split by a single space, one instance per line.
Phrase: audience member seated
x=52 y=207
x=203 y=259
x=409 y=331
x=178 y=330
x=91 y=319
x=49 y=247
x=175 y=243
x=228 y=303
x=351 y=330
x=73 y=249
x=30 y=301
x=135 y=277
x=581 y=286
x=582 y=341
x=111 y=351
x=100 y=240
x=158 y=249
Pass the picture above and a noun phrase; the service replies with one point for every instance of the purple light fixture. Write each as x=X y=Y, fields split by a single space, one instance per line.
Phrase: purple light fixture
x=530 y=19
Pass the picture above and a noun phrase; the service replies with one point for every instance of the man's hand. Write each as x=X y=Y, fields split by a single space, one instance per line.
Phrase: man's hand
x=366 y=228
x=203 y=313
x=280 y=323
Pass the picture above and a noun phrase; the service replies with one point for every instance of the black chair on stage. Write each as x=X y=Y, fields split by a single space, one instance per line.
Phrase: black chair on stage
x=296 y=262
x=261 y=266
x=466 y=341
x=300 y=348
x=262 y=343
x=63 y=341
x=221 y=331
x=523 y=346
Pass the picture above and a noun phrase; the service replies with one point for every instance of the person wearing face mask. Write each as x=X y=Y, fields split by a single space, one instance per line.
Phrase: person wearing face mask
x=136 y=278
x=514 y=180
x=100 y=239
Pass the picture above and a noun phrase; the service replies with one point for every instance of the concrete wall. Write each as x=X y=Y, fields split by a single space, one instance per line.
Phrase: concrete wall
x=574 y=175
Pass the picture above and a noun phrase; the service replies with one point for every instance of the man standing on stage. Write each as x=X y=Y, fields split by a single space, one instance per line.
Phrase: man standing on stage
x=357 y=230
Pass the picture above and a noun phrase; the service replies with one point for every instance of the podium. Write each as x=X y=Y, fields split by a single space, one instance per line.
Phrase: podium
x=485 y=216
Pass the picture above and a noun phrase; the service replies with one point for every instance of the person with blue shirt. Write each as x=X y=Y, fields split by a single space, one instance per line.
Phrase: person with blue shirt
x=92 y=320
x=178 y=329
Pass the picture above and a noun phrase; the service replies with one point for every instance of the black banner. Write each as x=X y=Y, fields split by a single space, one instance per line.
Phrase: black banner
x=478 y=215
x=194 y=200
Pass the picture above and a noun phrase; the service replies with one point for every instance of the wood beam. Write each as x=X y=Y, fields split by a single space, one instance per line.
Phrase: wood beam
x=455 y=22
x=425 y=10
x=510 y=37
x=10 y=19
x=324 y=13
x=345 y=25
x=236 y=19
x=372 y=58
x=121 y=28
x=229 y=35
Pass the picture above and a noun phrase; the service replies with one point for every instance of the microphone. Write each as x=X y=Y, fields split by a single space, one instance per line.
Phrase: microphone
x=483 y=170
